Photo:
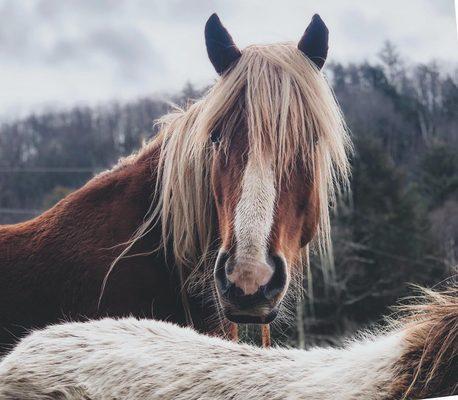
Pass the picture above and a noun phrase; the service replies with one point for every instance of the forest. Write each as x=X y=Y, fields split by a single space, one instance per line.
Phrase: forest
x=398 y=225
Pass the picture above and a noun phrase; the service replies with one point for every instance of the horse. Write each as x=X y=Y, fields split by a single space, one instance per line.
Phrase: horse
x=415 y=356
x=211 y=220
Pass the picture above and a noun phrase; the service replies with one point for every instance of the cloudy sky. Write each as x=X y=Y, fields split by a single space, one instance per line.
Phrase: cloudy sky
x=57 y=53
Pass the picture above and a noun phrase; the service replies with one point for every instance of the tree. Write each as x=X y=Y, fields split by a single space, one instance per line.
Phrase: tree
x=438 y=177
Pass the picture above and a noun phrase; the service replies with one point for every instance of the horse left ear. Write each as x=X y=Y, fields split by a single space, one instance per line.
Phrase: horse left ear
x=314 y=42
x=221 y=49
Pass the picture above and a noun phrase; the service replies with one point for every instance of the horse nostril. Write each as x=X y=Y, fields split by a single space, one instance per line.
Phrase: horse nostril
x=278 y=281
x=220 y=272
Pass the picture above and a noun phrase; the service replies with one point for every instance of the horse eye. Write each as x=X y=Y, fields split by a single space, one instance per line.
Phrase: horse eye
x=215 y=136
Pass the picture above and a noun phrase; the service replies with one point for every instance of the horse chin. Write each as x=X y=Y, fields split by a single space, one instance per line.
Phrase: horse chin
x=251 y=319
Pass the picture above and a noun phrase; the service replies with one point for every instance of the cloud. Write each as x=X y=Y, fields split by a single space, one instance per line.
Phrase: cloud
x=130 y=53
x=61 y=52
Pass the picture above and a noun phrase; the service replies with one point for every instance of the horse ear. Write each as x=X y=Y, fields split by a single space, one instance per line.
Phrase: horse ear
x=314 y=42
x=221 y=49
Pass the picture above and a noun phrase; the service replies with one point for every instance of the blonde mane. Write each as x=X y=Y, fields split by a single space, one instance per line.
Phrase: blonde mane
x=290 y=114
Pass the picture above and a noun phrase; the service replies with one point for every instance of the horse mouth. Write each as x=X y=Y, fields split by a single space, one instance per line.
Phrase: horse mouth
x=251 y=319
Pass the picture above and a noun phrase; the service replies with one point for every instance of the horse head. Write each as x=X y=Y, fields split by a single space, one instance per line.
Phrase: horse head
x=278 y=143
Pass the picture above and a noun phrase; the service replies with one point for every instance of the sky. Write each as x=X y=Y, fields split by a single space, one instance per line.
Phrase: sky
x=60 y=53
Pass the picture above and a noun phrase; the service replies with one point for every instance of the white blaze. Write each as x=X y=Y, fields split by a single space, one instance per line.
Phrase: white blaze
x=254 y=213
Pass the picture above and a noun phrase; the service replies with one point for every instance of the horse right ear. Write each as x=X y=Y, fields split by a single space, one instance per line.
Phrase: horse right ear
x=221 y=49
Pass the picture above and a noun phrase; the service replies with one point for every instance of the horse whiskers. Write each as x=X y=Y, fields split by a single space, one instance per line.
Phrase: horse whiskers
x=204 y=287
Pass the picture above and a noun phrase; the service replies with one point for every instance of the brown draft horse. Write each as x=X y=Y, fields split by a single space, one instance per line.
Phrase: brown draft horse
x=212 y=217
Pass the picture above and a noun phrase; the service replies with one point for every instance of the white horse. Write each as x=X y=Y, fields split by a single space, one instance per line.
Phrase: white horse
x=416 y=357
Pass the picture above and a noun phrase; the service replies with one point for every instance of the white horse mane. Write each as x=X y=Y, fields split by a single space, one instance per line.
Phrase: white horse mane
x=144 y=359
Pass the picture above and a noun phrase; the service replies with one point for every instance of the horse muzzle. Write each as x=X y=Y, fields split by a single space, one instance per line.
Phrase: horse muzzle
x=247 y=293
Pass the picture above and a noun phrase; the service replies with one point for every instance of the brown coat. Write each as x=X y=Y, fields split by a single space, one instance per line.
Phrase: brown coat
x=52 y=267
